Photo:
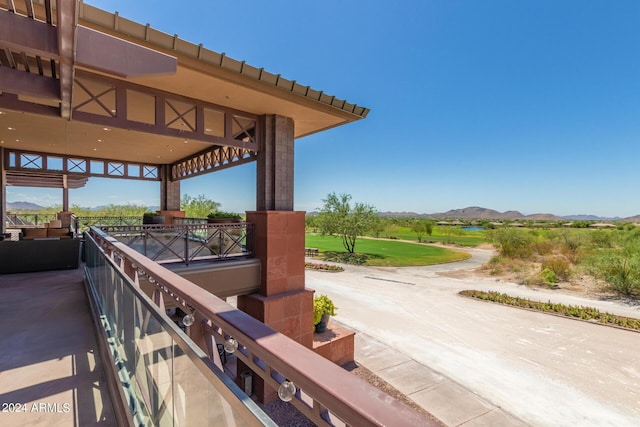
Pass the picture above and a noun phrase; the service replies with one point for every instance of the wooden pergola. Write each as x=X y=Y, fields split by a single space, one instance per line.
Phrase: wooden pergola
x=87 y=93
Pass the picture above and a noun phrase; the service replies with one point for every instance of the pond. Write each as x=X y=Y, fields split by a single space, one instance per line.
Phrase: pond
x=472 y=228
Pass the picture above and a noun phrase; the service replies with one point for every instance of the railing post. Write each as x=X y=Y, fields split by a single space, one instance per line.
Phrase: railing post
x=144 y=241
x=186 y=243
x=197 y=332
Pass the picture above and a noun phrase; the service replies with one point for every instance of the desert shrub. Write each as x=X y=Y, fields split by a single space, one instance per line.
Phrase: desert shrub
x=620 y=271
x=602 y=239
x=322 y=267
x=560 y=267
x=348 y=258
x=544 y=247
x=571 y=241
x=548 y=276
x=495 y=266
x=631 y=237
x=513 y=243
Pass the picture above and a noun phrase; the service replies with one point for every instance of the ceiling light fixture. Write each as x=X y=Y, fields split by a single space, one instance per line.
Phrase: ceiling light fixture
x=10 y=128
x=106 y=129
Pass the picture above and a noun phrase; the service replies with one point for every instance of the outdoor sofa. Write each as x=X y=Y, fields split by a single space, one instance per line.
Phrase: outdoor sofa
x=39 y=254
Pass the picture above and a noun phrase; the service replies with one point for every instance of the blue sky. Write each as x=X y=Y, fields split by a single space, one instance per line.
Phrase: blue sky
x=529 y=105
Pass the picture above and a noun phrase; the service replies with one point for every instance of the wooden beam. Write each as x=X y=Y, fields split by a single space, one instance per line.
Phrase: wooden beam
x=22 y=34
x=120 y=57
x=25 y=83
x=67 y=14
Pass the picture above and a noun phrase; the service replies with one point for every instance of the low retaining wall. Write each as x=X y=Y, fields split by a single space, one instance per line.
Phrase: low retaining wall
x=335 y=344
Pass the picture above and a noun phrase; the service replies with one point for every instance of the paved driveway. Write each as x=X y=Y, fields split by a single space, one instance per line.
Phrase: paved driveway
x=544 y=369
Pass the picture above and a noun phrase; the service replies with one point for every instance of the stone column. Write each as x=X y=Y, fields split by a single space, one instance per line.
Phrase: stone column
x=283 y=303
x=169 y=190
x=65 y=193
x=275 y=164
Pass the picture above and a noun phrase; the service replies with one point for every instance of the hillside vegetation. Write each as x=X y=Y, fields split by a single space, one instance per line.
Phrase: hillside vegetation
x=547 y=257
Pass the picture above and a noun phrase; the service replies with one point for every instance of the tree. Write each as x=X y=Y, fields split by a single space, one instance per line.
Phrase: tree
x=311 y=222
x=337 y=216
x=421 y=227
x=378 y=226
x=198 y=207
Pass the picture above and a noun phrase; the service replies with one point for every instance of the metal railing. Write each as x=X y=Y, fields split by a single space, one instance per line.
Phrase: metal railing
x=186 y=243
x=83 y=223
x=177 y=220
x=166 y=379
x=28 y=219
x=325 y=393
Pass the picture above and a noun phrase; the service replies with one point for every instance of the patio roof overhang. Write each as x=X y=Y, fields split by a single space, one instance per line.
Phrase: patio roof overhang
x=80 y=81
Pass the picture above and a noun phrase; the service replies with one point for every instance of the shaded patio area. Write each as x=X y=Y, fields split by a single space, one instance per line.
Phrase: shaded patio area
x=49 y=360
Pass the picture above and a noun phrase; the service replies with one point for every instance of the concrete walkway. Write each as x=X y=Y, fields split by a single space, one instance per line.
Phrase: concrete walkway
x=467 y=361
x=50 y=370
x=442 y=397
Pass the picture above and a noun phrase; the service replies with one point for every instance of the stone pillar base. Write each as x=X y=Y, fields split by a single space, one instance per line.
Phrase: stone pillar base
x=282 y=303
x=170 y=215
x=290 y=313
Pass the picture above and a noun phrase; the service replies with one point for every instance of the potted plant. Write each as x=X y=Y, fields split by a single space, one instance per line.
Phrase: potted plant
x=220 y=216
x=323 y=307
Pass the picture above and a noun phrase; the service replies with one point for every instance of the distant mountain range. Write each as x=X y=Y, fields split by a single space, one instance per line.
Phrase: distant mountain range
x=476 y=212
x=472 y=212
x=22 y=206
x=28 y=206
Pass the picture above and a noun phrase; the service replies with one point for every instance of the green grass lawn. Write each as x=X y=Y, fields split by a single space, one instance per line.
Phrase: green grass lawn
x=388 y=253
x=449 y=235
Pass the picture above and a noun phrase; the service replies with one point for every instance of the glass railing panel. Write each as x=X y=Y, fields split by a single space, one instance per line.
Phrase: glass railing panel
x=152 y=351
x=167 y=380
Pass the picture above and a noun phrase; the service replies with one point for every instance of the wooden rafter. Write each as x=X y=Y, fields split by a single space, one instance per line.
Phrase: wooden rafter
x=67 y=15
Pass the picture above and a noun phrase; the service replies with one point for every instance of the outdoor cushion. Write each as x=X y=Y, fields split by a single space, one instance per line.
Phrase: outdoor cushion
x=58 y=232
x=34 y=233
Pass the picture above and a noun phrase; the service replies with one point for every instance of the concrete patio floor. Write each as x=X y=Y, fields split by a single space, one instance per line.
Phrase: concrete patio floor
x=50 y=370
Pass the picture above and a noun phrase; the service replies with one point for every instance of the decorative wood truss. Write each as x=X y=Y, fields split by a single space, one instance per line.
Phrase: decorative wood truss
x=44 y=170
x=233 y=134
